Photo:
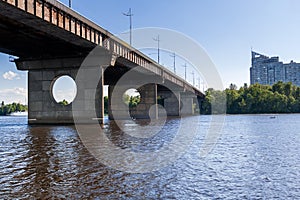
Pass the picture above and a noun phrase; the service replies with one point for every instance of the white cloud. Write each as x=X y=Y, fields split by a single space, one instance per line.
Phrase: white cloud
x=17 y=94
x=10 y=75
x=17 y=90
x=21 y=91
x=67 y=95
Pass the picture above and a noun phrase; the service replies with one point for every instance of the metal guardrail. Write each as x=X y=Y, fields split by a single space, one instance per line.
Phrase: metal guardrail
x=60 y=15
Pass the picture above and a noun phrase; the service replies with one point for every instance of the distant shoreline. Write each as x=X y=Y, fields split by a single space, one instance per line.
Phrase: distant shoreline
x=18 y=114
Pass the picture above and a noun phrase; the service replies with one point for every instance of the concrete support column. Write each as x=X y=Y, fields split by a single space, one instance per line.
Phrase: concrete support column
x=88 y=105
x=117 y=109
x=42 y=107
x=110 y=109
x=99 y=96
x=199 y=101
x=170 y=101
x=147 y=108
x=172 y=104
x=187 y=101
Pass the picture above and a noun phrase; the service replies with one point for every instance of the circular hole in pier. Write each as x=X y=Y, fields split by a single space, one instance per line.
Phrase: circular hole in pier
x=131 y=97
x=64 y=90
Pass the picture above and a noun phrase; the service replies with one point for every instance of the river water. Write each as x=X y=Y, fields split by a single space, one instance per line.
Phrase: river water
x=255 y=157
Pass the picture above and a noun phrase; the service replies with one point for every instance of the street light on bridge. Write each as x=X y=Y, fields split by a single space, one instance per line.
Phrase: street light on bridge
x=70 y=3
x=158 y=41
x=185 y=66
x=129 y=14
x=193 y=73
x=174 y=61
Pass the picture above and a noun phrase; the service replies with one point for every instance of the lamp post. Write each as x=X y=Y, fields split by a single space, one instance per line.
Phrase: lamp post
x=158 y=41
x=203 y=86
x=193 y=73
x=199 y=86
x=174 y=61
x=129 y=14
x=185 y=66
x=70 y=3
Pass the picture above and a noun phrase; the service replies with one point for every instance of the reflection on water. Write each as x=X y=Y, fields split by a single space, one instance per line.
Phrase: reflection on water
x=256 y=157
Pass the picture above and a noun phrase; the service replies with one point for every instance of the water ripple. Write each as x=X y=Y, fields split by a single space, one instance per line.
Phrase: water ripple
x=255 y=158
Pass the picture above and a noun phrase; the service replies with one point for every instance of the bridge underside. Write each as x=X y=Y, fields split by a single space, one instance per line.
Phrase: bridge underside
x=27 y=36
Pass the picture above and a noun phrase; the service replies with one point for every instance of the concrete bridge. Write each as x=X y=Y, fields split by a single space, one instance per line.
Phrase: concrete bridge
x=51 y=40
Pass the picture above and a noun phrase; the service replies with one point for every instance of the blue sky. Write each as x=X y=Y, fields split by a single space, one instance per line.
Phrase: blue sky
x=226 y=29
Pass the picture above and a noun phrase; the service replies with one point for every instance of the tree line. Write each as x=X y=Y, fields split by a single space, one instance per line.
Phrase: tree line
x=254 y=99
x=10 y=108
x=131 y=101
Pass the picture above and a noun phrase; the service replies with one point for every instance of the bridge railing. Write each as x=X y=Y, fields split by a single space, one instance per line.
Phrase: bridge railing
x=65 y=18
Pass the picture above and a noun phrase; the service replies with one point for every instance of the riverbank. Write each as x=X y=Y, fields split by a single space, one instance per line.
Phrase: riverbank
x=9 y=109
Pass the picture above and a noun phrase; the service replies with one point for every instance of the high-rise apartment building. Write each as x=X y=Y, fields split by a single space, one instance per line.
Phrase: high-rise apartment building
x=269 y=70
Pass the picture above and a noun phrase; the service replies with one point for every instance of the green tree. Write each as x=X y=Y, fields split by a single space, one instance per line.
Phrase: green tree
x=288 y=89
x=1 y=109
x=10 y=108
x=214 y=103
x=106 y=105
x=278 y=87
x=64 y=102
x=232 y=101
x=134 y=101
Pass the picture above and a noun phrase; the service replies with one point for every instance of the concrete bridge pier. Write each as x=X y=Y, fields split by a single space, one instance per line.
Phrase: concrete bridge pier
x=88 y=105
x=187 y=104
x=199 y=100
x=169 y=100
x=117 y=109
x=178 y=102
x=42 y=107
x=147 y=108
